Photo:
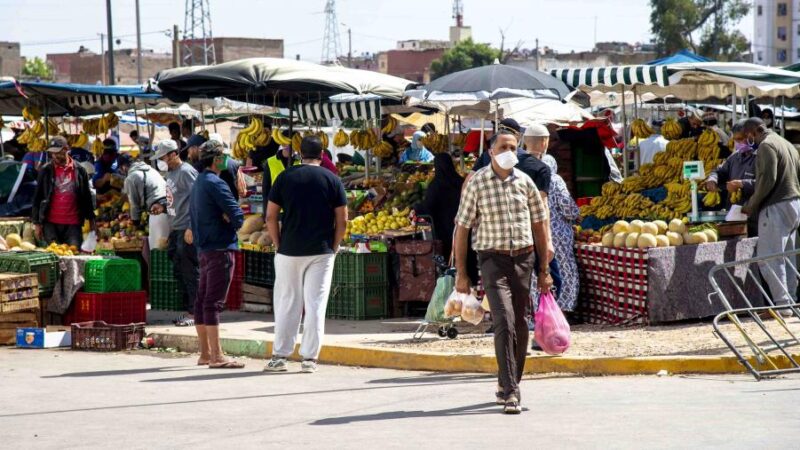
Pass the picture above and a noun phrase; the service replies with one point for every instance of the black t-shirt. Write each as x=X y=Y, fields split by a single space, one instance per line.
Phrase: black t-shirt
x=308 y=195
x=528 y=164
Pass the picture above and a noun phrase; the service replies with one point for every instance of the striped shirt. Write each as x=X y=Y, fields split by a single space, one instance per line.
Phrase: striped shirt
x=500 y=212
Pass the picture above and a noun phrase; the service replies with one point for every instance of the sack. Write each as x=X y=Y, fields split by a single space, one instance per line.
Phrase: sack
x=444 y=286
x=90 y=243
x=552 y=328
x=417 y=277
x=465 y=305
x=159 y=230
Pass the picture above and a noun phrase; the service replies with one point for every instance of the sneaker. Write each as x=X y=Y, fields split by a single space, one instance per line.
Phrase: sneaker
x=512 y=405
x=277 y=364
x=308 y=366
x=500 y=396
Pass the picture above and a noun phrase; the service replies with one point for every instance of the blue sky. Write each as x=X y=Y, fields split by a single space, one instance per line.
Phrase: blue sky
x=45 y=26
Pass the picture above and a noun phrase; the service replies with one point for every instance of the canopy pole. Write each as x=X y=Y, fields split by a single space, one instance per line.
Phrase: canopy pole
x=495 y=117
x=480 y=149
x=463 y=163
x=214 y=119
x=734 y=115
x=783 y=115
x=135 y=116
x=203 y=117
x=636 y=116
x=624 y=136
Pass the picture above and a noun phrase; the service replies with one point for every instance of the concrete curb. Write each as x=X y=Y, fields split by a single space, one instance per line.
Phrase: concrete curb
x=363 y=356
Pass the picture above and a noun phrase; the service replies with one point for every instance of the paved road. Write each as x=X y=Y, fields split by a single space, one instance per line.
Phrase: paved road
x=63 y=399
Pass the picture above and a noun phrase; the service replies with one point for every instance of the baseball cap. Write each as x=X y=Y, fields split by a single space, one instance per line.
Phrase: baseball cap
x=218 y=137
x=537 y=130
x=57 y=143
x=511 y=125
x=164 y=148
x=211 y=148
x=195 y=140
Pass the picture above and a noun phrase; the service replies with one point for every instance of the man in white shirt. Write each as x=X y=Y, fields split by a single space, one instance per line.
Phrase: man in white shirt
x=652 y=145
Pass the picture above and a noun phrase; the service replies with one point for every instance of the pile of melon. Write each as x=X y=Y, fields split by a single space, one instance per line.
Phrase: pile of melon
x=15 y=242
x=639 y=234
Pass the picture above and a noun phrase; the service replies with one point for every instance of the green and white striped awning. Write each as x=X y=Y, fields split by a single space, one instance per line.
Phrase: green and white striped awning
x=613 y=76
x=365 y=109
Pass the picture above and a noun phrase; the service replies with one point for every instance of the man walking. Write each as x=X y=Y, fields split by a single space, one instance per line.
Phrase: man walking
x=63 y=198
x=314 y=218
x=776 y=200
x=507 y=214
x=215 y=218
x=180 y=178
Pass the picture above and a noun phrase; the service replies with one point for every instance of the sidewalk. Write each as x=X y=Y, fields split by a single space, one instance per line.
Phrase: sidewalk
x=596 y=350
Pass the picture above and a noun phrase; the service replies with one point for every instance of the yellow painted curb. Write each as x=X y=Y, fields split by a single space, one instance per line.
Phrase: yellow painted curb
x=363 y=356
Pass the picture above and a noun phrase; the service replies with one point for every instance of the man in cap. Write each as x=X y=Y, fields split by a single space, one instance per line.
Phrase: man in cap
x=144 y=186
x=63 y=198
x=711 y=122
x=215 y=218
x=191 y=151
x=106 y=167
x=180 y=179
x=232 y=176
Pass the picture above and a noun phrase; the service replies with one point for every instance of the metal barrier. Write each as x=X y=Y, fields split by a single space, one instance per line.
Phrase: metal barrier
x=770 y=345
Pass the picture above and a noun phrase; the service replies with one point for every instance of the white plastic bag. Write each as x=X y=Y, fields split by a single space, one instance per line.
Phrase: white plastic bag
x=465 y=305
x=159 y=231
x=89 y=243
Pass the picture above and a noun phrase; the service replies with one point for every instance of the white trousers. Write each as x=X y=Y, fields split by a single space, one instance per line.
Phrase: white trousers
x=301 y=282
x=777 y=228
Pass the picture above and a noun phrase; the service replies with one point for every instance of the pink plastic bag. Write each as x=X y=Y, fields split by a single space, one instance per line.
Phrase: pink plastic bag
x=552 y=329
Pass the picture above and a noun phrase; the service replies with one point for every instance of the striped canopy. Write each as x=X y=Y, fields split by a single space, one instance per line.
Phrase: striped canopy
x=365 y=109
x=613 y=76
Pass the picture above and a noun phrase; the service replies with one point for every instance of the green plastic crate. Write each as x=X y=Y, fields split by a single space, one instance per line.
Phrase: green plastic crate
x=360 y=269
x=161 y=266
x=259 y=268
x=358 y=302
x=166 y=295
x=112 y=275
x=43 y=264
x=105 y=252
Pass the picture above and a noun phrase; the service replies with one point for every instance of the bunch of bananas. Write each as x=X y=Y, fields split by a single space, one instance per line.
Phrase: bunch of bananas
x=460 y=140
x=711 y=199
x=736 y=196
x=678 y=198
x=671 y=129
x=341 y=139
x=712 y=165
x=78 y=140
x=383 y=150
x=435 y=142
x=97 y=147
x=297 y=140
x=31 y=113
x=37 y=144
x=686 y=149
x=101 y=125
x=278 y=137
x=610 y=188
x=33 y=137
x=708 y=148
x=641 y=129
x=52 y=127
x=391 y=124
x=249 y=137
x=363 y=139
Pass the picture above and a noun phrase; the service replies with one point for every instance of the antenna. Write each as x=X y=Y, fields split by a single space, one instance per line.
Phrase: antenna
x=458 y=13
x=331 y=46
x=198 y=43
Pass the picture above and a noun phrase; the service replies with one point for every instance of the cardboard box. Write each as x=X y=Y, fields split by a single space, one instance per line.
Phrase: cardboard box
x=51 y=337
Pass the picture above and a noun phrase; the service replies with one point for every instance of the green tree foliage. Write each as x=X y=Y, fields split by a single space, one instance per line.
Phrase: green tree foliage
x=677 y=23
x=37 y=68
x=465 y=55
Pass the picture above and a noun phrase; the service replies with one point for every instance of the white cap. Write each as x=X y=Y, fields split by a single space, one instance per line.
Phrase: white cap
x=536 y=130
x=165 y=147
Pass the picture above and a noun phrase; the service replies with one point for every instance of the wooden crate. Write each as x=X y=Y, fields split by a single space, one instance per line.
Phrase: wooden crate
x=14 y=281
x=20 y=305
x=10 y=322
x=256 y=294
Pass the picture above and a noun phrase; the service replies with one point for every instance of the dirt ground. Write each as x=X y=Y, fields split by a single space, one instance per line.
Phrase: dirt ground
x=692 y=339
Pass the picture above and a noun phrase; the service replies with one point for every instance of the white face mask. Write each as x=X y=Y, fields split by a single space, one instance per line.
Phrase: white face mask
x=507 y=160
x=162 y=166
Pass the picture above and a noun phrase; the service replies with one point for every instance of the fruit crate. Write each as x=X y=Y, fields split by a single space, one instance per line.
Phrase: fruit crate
x=112 y=275
x=98 y=336
x=360 y=269
x=160 y=266
x=259 y=268
x=116 y=308
x=166 y=295
x=43 y=264
x=358 y=302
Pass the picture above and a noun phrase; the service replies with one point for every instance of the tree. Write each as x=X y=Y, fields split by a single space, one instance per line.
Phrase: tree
x=465 y=55
x=37 y=68
x=676 y=24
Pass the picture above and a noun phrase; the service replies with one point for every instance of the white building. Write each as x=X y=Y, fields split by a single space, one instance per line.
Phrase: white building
x=776 y=39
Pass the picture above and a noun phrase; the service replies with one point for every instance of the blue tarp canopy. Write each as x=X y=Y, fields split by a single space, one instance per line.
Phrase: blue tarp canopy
x=683 y=56
x=60 y=99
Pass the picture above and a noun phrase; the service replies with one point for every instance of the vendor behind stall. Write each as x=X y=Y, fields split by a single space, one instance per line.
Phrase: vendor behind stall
x=416 y=152
x=144 y=186
x=274 y=167
x=105 y=169
x=63 y=198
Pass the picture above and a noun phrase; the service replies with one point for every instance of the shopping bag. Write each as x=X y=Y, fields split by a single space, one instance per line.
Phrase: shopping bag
x=552 y=329
x=90 y=243
x=465 y=305
x=159 y=231
x=444 y=286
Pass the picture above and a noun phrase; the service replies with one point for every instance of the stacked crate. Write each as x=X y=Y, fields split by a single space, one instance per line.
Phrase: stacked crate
x=360 y=287
x=166 y=293
x=19 y=304
x=112 y=292
x=259 y=278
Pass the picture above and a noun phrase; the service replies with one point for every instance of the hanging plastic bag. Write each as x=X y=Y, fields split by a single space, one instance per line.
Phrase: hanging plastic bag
x=444 y=286
x=90 y=243
x=159 y=231
x=552 y=329
x=453 y=306
x=465 y=305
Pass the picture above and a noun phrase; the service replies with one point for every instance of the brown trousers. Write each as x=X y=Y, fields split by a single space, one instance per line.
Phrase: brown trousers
x=507 y=282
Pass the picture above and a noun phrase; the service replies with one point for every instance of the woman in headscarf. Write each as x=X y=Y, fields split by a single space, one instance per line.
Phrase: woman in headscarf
x=416 y=152
x=563 y=214
x=442 y=199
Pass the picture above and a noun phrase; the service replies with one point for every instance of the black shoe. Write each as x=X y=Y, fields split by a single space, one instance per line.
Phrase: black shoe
x=535 y=346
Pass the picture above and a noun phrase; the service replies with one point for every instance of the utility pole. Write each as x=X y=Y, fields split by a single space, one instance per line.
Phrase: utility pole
x=349 y=47
x=102 y=58
x=176 y=48
x=330 y=42
x=537 y=54
x=138 y=45
x=111 y=76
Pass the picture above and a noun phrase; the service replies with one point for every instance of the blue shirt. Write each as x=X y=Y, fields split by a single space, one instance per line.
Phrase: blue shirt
x=210 y=199
x=422 y=155
x=100 y=169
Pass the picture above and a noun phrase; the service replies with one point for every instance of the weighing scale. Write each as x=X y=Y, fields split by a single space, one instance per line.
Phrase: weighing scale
x=693 y=171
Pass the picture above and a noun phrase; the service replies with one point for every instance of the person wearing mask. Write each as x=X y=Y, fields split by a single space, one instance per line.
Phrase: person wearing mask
x=215 y=219
x=563 y=215
x=175 y=134
x=180 y=178
x=105 y=169
x=191 y=151
x=314 y=220
x=768 y=117
x=63 y=198
x=232 y=175
x=504 y=209
x=144 y=186
x=738 y=173
x=274 y=167
x=692 y=124
x=776 y=200
x=441 y=200
x=416 y=152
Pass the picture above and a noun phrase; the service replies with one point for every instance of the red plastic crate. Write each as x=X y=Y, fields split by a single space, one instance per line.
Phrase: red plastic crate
x=238 y=269
x=116 y=308
x=235 y=294
x=583 y=201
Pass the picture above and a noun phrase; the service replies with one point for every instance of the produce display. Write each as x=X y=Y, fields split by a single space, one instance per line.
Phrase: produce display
x=658 y=233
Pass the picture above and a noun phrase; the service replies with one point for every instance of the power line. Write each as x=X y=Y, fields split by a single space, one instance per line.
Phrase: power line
x=92 y=38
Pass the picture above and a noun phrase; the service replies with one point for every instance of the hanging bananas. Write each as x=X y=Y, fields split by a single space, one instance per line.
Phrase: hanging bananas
x=31 y=113
x=278 y=137
x=711 y=199
x=323 y=136
x=97 y=147
x=641 y=129
x=383 y=150
x=297 y=139
x=671 y=129
x=391 y=124
x=341 y=139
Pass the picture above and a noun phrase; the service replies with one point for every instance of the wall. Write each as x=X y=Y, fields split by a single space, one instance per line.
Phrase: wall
x=231 y=49
x=409 y=64
x=10 y=61
x=86 y=67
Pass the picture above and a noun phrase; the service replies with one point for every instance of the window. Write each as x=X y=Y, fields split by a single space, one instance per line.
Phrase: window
x=760 y=10
x=782 y=55
x=761 y=55
x=782 y=10
x=798 y=53
x=782 y=33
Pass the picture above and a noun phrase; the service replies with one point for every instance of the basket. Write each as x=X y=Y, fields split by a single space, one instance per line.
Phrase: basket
x=99 y=336
x=166 y=295
x=117 y=308
x=160 y=265
x=112 y=275
x=259 y=268
x=360 y=269
x=358 y=302
x=43 y=264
